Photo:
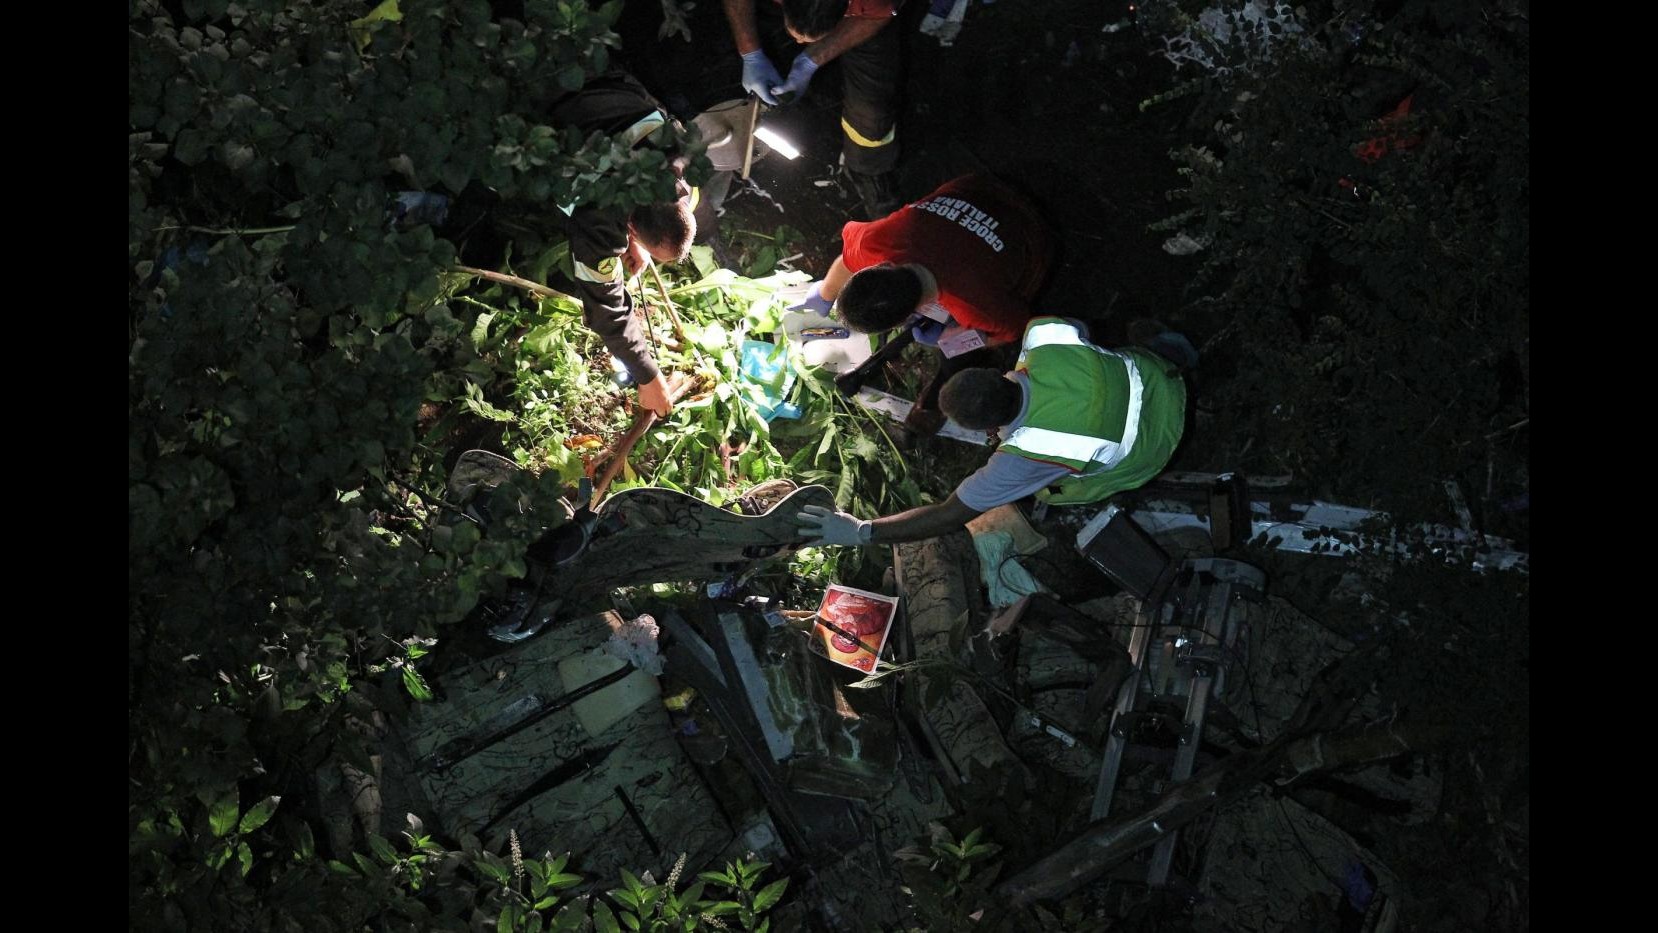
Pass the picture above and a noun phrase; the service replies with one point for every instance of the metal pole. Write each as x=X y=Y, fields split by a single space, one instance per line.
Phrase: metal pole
x=1197 y=708
x=753 y=123
x=1115 y=744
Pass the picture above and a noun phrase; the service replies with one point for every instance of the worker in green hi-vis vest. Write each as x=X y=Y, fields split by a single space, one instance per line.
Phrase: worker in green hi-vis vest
x=1079 y=423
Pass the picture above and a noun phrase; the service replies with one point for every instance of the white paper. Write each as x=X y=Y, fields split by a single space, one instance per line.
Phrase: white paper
x=897 y=409
x=957 y=340
x=935 y=312
x=838 y=355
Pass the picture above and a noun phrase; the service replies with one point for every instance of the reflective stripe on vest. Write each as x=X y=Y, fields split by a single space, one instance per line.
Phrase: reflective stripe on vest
x=1044 y=335
x=609 y=270
x=644 y=126
x=1099 y=453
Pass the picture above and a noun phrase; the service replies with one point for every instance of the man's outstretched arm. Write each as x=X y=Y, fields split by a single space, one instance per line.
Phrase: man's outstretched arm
x=823 y=526
x=836 y=278
x=923 y=522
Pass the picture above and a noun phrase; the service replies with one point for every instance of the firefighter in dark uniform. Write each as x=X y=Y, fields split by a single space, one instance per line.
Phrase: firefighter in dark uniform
x=860 y=34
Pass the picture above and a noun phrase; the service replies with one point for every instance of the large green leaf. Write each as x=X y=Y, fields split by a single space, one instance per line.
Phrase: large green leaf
x=382 y=849
x=221 y=816
x=604 y=919
x=415 y=684
x=220 y=854
x=260 y=815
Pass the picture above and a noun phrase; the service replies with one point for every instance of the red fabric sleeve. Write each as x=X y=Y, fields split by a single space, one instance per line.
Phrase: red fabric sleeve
x=984 y=244
x=854 y=253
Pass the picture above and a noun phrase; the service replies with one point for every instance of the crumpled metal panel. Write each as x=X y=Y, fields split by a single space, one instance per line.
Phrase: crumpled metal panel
x=626 y=798
x=828 y=739
x=943 y=607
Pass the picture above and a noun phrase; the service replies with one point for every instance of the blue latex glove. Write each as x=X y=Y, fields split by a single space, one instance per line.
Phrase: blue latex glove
x=800 y=75
x=760 y=76
x=814 y=301
x=822 y=526
x=927 y=331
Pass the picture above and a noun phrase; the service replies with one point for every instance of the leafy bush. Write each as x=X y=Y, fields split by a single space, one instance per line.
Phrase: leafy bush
x=290 y=555
x=1366 y=273
x=285 y=549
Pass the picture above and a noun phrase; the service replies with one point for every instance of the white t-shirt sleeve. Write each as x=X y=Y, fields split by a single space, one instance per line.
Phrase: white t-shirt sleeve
x=1005 y=478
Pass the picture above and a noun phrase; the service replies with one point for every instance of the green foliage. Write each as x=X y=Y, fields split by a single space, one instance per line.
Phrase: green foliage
x=655 y=907
x=291 y=557
x=949 y=881
x=1371 y=317
x=745 y=899
x=288 y=552
x=1371 y=322
x=414 y=683
x=561 y=409
x=759 y=253
x=525 y=892
x=716 y=443
x=844 y=446
x=675 y=20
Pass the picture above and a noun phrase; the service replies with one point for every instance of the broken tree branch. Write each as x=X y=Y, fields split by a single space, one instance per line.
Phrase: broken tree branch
x=678 y=385
x=673 y=313
x=535 y=288
x=753 y=124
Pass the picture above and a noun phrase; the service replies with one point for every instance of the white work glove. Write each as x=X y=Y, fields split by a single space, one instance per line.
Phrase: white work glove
x=760 y=76
x=815 y=302
x=800 y=75
x=825 y=526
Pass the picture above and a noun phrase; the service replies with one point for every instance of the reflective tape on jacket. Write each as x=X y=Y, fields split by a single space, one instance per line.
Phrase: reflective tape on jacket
x=609 y=270
x=1098 y=452
x=1083 y=453
x=644 y=126
x=1047 y=335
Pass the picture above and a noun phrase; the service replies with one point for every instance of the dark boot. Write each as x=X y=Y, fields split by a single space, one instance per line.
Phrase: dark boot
x=877 y=193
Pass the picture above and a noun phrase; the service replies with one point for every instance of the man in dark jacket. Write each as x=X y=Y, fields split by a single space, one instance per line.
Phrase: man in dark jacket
x=609 y=246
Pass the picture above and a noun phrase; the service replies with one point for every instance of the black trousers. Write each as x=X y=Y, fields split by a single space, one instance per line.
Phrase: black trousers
x=871 y=76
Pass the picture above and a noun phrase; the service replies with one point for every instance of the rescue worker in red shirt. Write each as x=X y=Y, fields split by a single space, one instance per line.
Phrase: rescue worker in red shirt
x=968 y=258
x=859 y=34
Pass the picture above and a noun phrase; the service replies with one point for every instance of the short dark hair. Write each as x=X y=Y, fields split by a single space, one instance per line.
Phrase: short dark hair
x=880 y=298
x=979 y=399
x=812 y=18
x=666 y=224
